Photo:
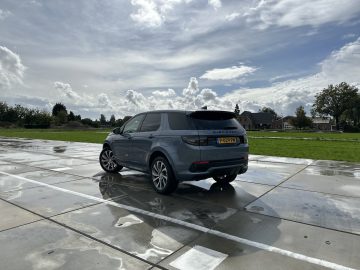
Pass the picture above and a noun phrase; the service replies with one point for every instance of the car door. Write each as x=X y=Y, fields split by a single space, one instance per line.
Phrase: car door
x=122 y=143
x=143 y=140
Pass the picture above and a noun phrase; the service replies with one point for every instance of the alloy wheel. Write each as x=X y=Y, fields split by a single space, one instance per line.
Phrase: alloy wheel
x=159 y=175
x=107 y=160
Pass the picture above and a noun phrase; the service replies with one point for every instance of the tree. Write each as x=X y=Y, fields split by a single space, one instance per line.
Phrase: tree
x=20 y=111
x=3 y=108
x=237 y=110
x=78 y=117
x=9 y=115
x=87 y=121
x=71 y=116
x=119 y=122
x=61 y=117
x=301 y=120
x=22 y=116
x=269 y=110
x=37 y=119
x=335 y=100
x=351 y=116
x=112 y=120
x=126 y=118
x=58 y=107
x=102 y=119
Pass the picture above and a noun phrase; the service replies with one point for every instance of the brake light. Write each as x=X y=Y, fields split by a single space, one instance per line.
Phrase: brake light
x=195 y=140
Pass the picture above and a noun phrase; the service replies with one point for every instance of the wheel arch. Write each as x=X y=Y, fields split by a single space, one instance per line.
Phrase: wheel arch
x=106 y=145
x=159 y=152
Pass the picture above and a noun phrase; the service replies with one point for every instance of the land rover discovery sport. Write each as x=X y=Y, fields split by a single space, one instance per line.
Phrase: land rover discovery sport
x=175 y=146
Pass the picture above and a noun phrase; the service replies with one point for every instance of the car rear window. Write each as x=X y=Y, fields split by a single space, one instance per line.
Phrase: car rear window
x=180 y=121
x=205 y=120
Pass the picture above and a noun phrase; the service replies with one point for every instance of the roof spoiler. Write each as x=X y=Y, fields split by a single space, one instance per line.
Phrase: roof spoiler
x=211 y=114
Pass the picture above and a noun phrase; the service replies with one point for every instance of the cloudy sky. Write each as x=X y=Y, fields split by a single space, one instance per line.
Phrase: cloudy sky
x=122 y=57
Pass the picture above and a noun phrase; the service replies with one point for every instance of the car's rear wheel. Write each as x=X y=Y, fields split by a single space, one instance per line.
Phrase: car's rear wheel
x=162 y=176
x=107 y=161
x=225 y=179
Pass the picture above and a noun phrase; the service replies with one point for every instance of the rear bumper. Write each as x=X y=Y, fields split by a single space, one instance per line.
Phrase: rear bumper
x=214 y=168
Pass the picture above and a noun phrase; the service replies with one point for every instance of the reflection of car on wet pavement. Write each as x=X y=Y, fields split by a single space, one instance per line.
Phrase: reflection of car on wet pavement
x=175 y=146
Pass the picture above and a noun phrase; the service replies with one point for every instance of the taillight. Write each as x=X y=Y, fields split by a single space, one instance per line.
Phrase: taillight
x=243 y=139
x=195 y=140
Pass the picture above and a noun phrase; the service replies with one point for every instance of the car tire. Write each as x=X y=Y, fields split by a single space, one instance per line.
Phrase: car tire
x=225 y=179
x=107 y=161
x=162 y=176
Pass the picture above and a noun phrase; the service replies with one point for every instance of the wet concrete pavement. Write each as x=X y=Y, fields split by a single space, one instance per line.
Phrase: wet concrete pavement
x=59 y=210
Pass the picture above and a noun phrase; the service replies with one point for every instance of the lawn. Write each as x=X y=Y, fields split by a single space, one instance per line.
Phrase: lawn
x=313 y=149
x=331 y=146
x=92 y=135
x=307 y=135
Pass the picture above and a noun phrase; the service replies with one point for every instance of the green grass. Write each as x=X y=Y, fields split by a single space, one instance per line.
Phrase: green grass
x=91 y=136
x=310 y=135
x=345 y=147
x=313 y=149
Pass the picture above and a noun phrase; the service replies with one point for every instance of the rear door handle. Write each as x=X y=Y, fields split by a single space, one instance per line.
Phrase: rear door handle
x=151 y=136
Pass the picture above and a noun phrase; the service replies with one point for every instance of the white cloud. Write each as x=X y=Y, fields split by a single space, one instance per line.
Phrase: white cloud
x=343 y=65
x=208 y=94
x=294 y=13
x=349 y=36
x=228 y=73
x=153 y=13
x=168 y=93
x=4 y=14
x=147 y=13
x=232 y=16
x=193 y=87
x=284 y=97
x=66 y=91
x=104 y=101
x=136 y=98
x=287 y=76
x=216 y=4
x=11 y=68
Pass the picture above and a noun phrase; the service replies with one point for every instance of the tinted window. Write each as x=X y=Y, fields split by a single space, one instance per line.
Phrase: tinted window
x=133 y=124
x=179 y=121
x=151 y=122
x=215 y=120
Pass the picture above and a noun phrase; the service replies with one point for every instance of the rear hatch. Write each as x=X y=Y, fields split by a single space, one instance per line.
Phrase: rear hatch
x=221 y=136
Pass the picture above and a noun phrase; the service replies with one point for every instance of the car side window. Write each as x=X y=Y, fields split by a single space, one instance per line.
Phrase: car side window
x=179 y=121
x=133 y=124
x=151 y=122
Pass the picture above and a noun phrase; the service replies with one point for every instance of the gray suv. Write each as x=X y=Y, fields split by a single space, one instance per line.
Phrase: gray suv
x=175 y=146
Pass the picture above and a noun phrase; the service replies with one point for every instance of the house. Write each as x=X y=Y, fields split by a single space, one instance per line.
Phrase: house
x=260 y=120
x=283 y=123
x=321 y=123
x=246 y=122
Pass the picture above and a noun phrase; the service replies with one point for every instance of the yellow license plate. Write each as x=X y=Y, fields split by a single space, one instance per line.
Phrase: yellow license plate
x=227 y=140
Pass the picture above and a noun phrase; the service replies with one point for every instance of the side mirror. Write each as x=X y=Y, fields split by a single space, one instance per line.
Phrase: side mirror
x=117 y=130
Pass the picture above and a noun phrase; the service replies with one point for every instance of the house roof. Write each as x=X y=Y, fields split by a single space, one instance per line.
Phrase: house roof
x=260 y=117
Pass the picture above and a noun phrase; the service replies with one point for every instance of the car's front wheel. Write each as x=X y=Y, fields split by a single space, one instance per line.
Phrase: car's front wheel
x=225 y=179
x=162 y=176
x=107 y=161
